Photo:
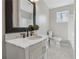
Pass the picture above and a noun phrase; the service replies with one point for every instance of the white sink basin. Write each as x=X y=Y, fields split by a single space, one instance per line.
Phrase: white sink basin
x=35 y=37
x=26 y=42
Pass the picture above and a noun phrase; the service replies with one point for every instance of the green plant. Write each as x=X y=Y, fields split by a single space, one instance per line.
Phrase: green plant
x=36 y=27
x=30 y=28
x=33 y=27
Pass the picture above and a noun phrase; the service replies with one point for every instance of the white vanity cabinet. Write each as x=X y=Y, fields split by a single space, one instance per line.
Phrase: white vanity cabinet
x=38 y=50
x=14 y=52
x=31 y=50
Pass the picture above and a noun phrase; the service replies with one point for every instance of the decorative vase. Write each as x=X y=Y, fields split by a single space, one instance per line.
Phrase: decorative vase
x=35 y=33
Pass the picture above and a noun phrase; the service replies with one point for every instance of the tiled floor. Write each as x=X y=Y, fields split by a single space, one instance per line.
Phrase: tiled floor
x=62 y=52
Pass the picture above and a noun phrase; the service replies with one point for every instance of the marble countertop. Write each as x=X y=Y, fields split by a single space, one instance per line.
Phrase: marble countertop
x=25 y=42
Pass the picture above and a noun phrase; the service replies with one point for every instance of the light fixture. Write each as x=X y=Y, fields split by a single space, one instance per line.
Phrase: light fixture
x=34 y=0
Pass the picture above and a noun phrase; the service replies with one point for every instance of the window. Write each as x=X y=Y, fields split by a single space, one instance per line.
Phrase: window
x=62 y=16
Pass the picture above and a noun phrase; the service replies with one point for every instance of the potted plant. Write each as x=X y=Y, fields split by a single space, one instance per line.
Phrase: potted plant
x=36 y=27
x=33 y=29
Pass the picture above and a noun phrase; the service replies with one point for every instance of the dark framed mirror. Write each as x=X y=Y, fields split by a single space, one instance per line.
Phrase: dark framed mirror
x=19 y=15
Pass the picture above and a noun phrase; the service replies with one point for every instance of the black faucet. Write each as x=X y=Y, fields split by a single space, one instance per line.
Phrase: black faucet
x=27 y=33
x=23 y=35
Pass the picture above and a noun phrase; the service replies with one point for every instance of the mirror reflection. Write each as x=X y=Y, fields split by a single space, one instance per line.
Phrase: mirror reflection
x=22 y=13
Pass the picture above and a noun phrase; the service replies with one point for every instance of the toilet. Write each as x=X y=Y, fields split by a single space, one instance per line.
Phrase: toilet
x=57 y=40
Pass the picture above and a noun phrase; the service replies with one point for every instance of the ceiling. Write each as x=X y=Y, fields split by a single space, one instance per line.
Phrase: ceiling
x=57 y=3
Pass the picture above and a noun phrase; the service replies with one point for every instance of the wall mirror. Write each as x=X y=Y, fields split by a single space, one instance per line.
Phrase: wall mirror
x=22 y=13
x=18 y=15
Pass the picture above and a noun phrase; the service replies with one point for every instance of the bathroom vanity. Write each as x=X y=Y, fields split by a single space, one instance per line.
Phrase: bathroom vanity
x=27 y=48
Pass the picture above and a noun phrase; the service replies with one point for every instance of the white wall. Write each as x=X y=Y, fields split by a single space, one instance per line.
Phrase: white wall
x=64 y=30
x=58 y=3
x=3 y=30
x=10 y=36
x=71 y=30
x=42 y=17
